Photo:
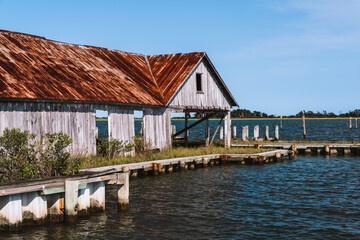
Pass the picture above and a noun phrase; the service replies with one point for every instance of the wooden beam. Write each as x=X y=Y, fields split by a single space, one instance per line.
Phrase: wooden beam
x=217 y=129
x=194 y=124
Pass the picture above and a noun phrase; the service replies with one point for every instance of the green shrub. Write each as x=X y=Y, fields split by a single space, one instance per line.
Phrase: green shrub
x=141 y=147
x=22 y=157
x=17 y=155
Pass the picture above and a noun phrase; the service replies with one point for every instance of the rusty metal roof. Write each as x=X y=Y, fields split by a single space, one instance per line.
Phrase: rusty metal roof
x=171 y=70
x=32 y=67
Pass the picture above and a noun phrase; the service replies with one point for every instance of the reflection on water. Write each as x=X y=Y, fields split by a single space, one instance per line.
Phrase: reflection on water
x=311 y=197
x=319 y=130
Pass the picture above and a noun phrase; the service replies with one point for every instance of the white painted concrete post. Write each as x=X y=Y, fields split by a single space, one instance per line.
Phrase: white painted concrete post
x=34 y=207
x=97 y=195
x=276 y=132
x=10 y=211
x=227 y=130
x=84 y=201
x=71 y=198
x=256 y=132
x=234 y=132
x=266 y=132
x=123 y=192
x=221 y=133
x=245 y=133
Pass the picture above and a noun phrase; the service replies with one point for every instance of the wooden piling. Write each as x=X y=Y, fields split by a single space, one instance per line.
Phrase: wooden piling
x=256 y=132
x=173 y=127
x=207 y=133
x=327 y=149
x=245 y=133
x=221 y=133
x=266 y=132
x=303 y=124
x=234 y=132
x=276 y=132
x=205 y=162
x=123 y=192
x=350 y=123
x=71 y=199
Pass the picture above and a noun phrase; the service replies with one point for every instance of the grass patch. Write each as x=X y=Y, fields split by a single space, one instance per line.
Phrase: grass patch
x=97 y=161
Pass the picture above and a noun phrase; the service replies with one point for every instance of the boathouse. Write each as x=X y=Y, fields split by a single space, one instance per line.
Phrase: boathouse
x=51 y=86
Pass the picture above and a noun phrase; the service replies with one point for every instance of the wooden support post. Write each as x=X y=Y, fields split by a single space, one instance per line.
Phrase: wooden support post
x=267 y=132
x=173 y=129
x=205 y=162
x=227 y=130
x=71 y=198
x=256 y=132
x=34 y=207
x=217 y=129
x=186 y=128
x=280 y=122
x=207 y=133
x=234 y=132
x=182 y=164
x=326 y=149
x=221 y=133
x=10 y=212
x=245 y=133
x=303 y=124
x=123 y=192
x=96 y=132
x=97 y=196
x=350 y=123
x=277 y=132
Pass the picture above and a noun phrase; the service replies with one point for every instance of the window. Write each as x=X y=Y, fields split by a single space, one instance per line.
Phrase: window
x=198 y=83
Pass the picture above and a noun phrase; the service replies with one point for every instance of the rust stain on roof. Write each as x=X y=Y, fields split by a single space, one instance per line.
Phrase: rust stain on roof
x=36 y=68
x=33 y=67
x=171 y=70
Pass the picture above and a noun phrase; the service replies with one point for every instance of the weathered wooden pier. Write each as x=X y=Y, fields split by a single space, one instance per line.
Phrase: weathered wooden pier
x=65 y=198
x=58 y=199
x=307 y=148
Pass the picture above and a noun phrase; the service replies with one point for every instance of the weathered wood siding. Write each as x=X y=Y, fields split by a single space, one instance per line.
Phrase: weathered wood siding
x=212 y=96
x=76 y=120
x=157 y=127
x=121 y=124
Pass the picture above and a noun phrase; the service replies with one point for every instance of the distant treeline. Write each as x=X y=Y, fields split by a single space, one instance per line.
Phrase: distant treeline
x=245 y=113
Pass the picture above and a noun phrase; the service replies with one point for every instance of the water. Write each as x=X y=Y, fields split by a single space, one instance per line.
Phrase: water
x=317 y=130
x=308 y=198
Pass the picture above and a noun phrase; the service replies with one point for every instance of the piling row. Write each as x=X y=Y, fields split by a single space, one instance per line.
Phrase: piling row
x=312 y=149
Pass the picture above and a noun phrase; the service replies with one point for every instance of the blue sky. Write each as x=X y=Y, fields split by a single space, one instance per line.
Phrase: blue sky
x=275 y=56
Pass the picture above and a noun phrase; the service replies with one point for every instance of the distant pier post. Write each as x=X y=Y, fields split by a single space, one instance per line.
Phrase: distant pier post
x=207 y=134
x=256 y=132
x=281 y=122
x=245 y=133
x=221 y=133
x=234 y=132
x=303 y=123
x=173 y=129
x=266 y=132
x=350 y=123
x=276 y=132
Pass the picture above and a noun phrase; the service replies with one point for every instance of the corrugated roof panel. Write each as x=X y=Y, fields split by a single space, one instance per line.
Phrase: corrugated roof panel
x=36 y=68
x=171 y=70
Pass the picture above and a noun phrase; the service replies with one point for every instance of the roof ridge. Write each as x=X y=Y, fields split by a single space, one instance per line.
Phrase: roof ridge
x=152 y=76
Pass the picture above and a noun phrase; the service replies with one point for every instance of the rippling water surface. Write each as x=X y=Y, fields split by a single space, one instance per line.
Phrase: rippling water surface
x=308 y=198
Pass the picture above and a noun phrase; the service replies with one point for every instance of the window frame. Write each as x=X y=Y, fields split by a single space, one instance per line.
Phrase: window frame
x=201 y=83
